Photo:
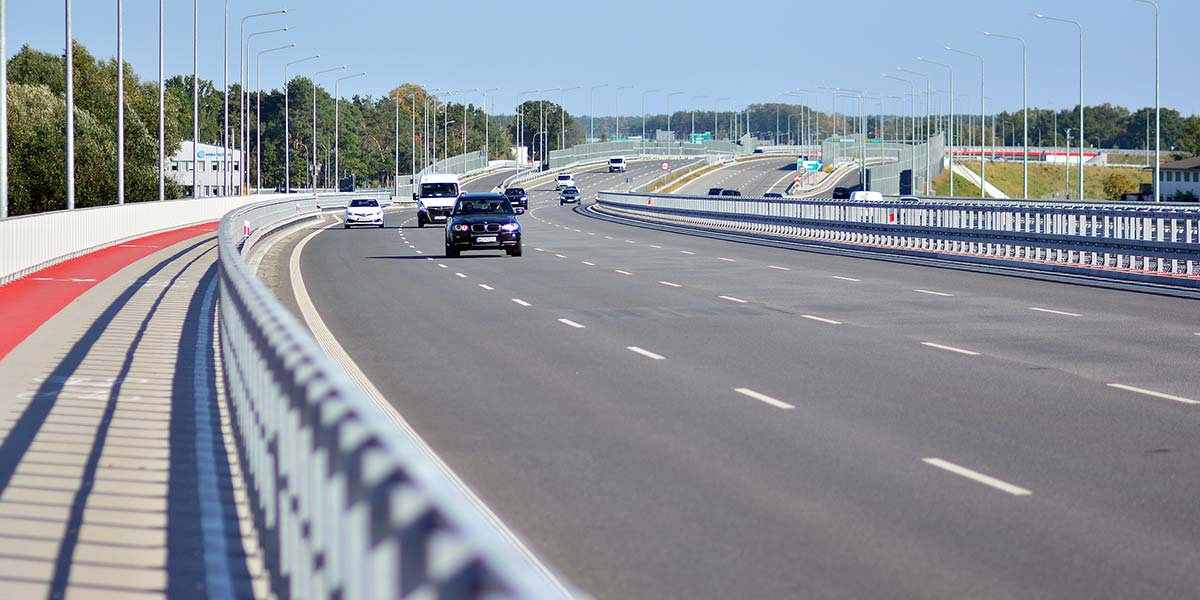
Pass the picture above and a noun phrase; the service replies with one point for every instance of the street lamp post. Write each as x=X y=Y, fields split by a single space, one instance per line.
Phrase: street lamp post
x=317 y=155
x=121 y=97
x=644 y=94
x=337 y=102
x=592 y=109
x=618 y=106
x=912 y=90
x=1067 y=165
x=1081 y=129
x=1157 y=107
x=562 y=115
x=195 y=96
x=487 y=134
x=244 y=75
x=258 y=119
x=669 y=94
x=694 y=99
x=928 y=153
x=717 y=113
x=4 y=111
x=287 y=132
x=1024 y=106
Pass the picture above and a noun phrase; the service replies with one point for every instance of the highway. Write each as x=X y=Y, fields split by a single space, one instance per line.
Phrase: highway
x=758 y=176
x=672 y=416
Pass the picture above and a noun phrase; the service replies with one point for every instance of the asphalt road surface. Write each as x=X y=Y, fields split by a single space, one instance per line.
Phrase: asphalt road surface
x=672 y=416
x=751 y=177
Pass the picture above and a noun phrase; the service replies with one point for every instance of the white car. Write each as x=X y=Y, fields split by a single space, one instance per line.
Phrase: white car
x=364 y=211
x=564 y=181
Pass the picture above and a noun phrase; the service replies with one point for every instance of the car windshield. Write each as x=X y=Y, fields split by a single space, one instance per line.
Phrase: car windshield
x=439 y=190
x=564 y=177
x=571 y=190
x=483 y=206
x=363 y=203
x=515 y=192
x=616 y=161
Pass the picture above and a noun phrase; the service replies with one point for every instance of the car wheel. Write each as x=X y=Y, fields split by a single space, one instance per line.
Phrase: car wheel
x=346 y=226
x=420 y=220
x=452 y=252
x=560 y=203
x=514 y=251
x=381 y=225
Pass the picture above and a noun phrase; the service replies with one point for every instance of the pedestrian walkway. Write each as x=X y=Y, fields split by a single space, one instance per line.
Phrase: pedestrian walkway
x=118 y=470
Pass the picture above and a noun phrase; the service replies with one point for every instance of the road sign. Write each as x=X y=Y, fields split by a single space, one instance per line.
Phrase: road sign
x=796 y=179
x=812 y=165
x=666 y=167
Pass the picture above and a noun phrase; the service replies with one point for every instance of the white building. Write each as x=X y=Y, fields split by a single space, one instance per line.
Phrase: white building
x=208 y=162
x=1180 y=177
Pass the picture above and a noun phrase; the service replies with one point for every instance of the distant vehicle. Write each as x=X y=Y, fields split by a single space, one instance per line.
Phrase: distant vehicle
x=715 y=191
x=435 y=198
x=841 y=193
x=569 y=194
x=483 y=221
x=730 y=193
x=564 y=180
x=363 y=211
x=772 y=195
x=518 y=198
x=758 y=150
x=908 y=199
x=616 y=164
x=866 y=196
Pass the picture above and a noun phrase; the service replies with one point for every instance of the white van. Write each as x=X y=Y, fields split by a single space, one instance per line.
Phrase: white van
x=616 y=163
x=435 y=198
x=866 y=197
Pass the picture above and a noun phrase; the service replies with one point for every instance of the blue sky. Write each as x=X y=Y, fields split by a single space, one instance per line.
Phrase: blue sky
x=749 y=51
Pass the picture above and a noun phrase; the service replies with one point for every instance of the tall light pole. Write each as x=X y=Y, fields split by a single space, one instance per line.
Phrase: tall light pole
x=1081 y=129
x=121 y=99
x=487 y=126
x=592 y=109
x=562 y=115
x=246 y=103
x=928 y=153
x=1157 y=107
x=337 y=102
x=195 y=97
x=669 y=94
x=316 y=155
x=244 y=75
x=258 y=117
x=694 y=99
x=287 y=130
x=644 y=94
x=618 y=106
x=1024 y=106
x=950 y=137
x=717 y=113
x=70 y=101
x=162 y=131
x=912 y=91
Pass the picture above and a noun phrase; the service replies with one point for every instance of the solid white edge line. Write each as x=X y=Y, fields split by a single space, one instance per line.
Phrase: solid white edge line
x=977 y=477
x=950 y=348
x=823 y=320
x=571 y=323
x=1055 y=312
x=1130 y=388
x=521 y=302
x=933 y=293
x=732 y=299
x=646 y=353
x=331 y=346
x=764 y=398
x=669 y=284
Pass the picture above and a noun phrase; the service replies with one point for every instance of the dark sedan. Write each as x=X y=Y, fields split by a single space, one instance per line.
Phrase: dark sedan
x=518 y=198
x=483 y=221
x=570 y=194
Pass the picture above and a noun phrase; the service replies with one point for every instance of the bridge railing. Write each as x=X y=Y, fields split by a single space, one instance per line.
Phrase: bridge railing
x=347 y=502
x=1121 y=241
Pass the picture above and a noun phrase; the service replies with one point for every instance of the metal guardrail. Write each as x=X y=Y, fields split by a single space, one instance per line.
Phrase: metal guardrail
x=345 y=504
x=1118 y=241
x=602 y=151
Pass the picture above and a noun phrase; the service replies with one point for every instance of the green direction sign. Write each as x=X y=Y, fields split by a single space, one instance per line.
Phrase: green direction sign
x=874 y=141
x=696 y=138
x=844 y=140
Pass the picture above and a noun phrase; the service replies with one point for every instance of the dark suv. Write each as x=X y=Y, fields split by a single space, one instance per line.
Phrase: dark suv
x=715 y=191
x=841 y=193
x=483 y=221
x=728 y=192
x=518 y=198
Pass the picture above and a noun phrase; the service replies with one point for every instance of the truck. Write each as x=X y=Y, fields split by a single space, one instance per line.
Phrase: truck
x=435 y=196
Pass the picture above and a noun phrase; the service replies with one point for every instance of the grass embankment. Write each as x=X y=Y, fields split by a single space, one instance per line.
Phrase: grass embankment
x=1046 y=182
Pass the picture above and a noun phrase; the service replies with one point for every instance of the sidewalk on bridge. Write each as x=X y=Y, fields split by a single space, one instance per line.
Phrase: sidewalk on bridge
x=119 y=477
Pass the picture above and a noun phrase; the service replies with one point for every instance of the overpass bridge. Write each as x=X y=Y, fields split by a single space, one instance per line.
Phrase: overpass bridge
x=667 y=396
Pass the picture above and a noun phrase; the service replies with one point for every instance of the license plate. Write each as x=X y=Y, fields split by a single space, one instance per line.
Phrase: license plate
x=489 y=239
x=439 y=217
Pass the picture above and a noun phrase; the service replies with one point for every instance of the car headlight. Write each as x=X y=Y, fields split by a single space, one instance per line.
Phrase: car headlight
x=510 y=227
x=462 y=228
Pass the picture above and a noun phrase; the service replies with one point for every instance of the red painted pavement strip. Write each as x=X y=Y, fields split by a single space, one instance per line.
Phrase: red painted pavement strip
x=28 y=302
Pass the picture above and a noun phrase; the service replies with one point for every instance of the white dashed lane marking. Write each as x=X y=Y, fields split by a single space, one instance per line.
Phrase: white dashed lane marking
x=822 y=320
x=624 y=272
x=1137 y=390
x=669 y=284
x=646 y=353
x=977 y=477
x=846 y=278
x=571 y=323
x=1054 y=312
x=764 y=398
x=521 y=302
x=950 y=348
x=486 y=287
x=933 y=293
x=732 y=299
x=777 y=268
